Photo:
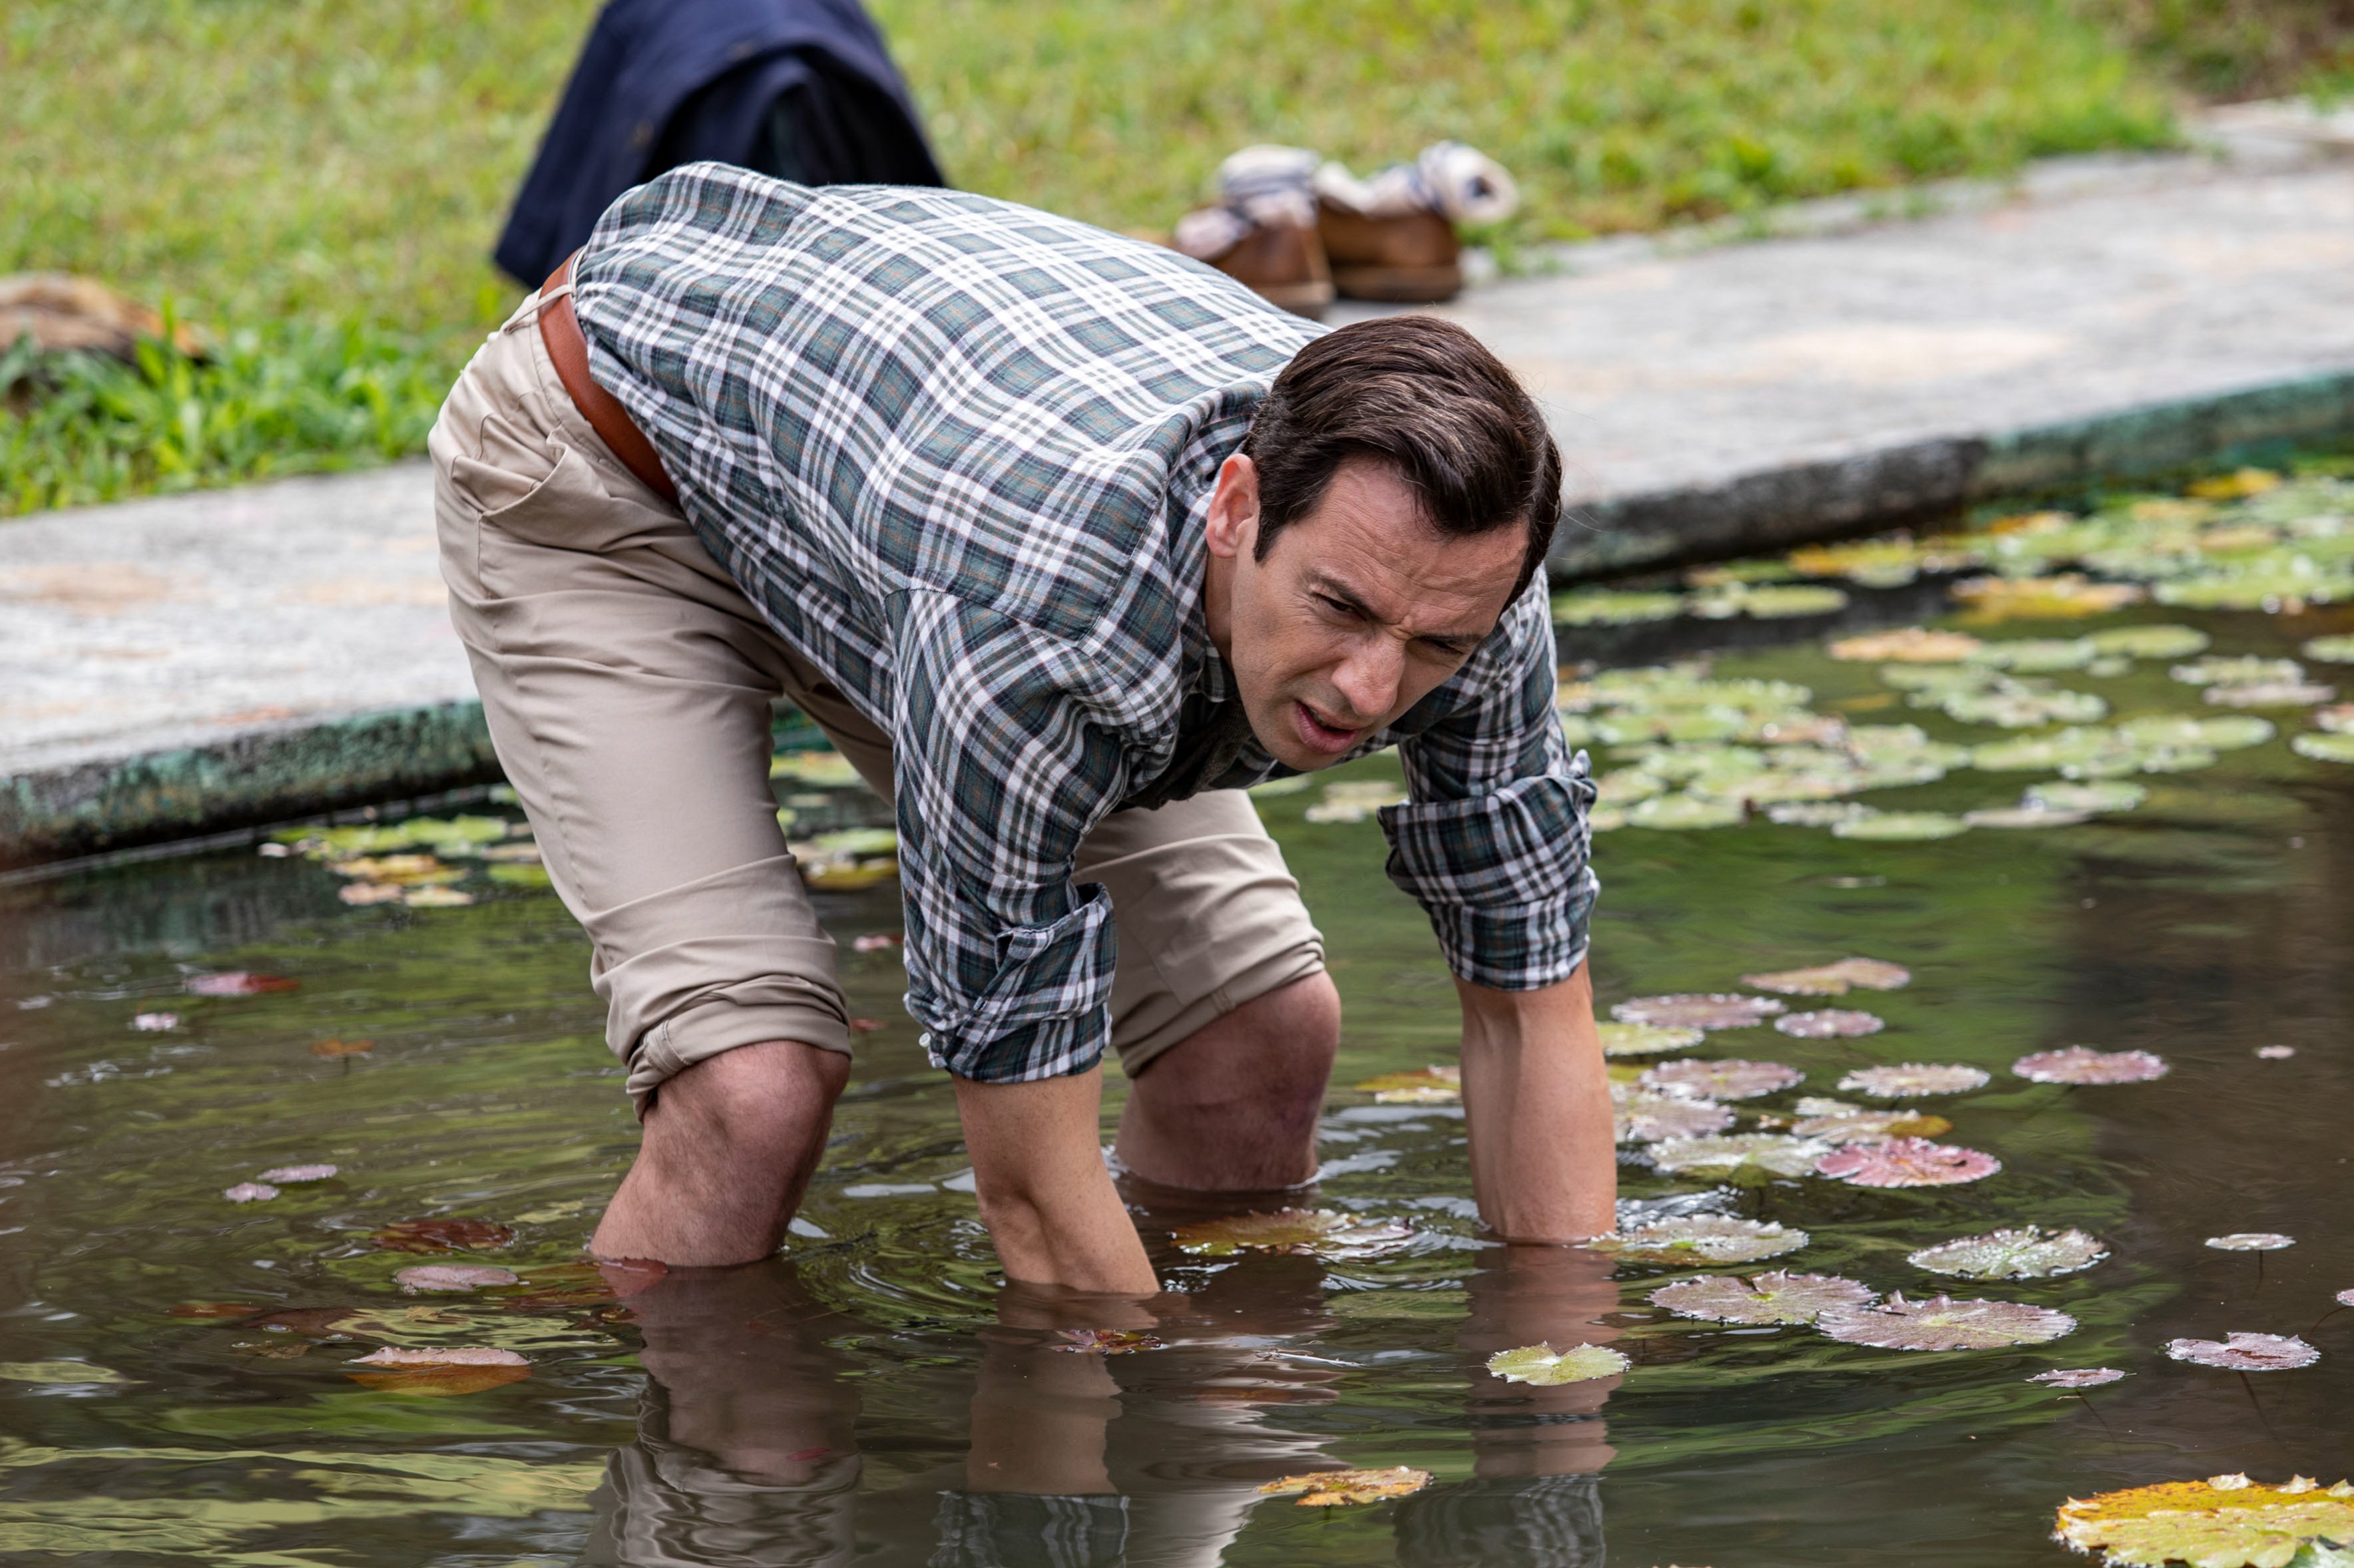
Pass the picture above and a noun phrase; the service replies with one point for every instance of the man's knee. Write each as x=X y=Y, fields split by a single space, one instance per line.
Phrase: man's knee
x=763 y=1104
x=1275 y=1049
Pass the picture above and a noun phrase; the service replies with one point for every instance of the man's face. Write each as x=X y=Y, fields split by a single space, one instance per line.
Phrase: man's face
x=1360 y=609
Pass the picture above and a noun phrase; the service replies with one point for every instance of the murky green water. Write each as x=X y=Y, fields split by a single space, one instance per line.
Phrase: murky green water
x=875 y=1396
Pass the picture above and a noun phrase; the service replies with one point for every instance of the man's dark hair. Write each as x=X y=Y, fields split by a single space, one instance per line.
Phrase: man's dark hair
x=1426 y=400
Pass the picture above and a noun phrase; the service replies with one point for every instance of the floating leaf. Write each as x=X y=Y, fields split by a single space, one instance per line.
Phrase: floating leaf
x=886 y=941
x=436 y=898
x=1855 y=1126
x=1829 y=1023
x=2066 y=596
x=239 y=982
x=1941 y=1324
x=453 y=1277
x=1338 y=1489
x=1900 y=827
x=1431 y=1085
x=1602 y=608
x=59 y=1373
x=2149 y=642
x=2026 y=1252
x=1833 y=979
x=2338 y=650
x=1768 y=603
x=250 y=1193
x=520 y=876
x=342 y=1047
x=2269 y=695
x=2227 y=1521
x=1906 y=1162
x=1691 y=1239
x=1731 y=1080
x=1908 y=645
x=1646 y=1038
x=1776 y=1297
x=362 y=894
x=1816 y=813
x=1695 y=1012
x=1679 y=813
x=399 y=870
x=2275 y=1052
x=155 y=1022
x=1315 y=1232
x=2078 y=1377
x=2252 y=1241
x=1108 y=1341
x=1738 y=1154
x=2102 y=795
x=2229 y=731
x=2246 y=1352
x=1355 y=802
x=1548 y=1368
x=2036 y=655
x=440 y=1356
x=293 y=1174
x=440 y=1380
x=2324 y=748
x=2005 y=817
x=2237 y=671
x=442 y=1235
x=2084 y=1064
x=1907 y=1079
x=1641 y=1117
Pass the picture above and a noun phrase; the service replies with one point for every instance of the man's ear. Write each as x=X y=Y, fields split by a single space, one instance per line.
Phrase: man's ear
x=1233 y=525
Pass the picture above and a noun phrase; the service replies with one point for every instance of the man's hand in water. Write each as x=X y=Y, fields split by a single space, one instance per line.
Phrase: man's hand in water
x=1536 y=1103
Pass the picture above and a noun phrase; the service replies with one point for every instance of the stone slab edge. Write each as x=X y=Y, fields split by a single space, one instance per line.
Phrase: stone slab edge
x=1936 y=479
x=308 y=768
x=299 y=768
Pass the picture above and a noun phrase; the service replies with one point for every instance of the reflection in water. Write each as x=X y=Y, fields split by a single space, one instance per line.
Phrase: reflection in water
x=746 y=1453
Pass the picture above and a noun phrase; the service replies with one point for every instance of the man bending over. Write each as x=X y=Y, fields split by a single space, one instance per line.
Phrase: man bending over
x=1063 y=540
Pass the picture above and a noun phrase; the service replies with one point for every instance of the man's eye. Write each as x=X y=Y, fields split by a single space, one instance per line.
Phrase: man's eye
x=1340 y=608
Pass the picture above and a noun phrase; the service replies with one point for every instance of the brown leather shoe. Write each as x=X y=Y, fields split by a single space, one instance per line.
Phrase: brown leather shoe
x=1283 y=262
x=1411 y=259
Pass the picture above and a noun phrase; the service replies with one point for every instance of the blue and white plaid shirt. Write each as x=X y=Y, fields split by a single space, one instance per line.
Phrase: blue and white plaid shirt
x=960 y=453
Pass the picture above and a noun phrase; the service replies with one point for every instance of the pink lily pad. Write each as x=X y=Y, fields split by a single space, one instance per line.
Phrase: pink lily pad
x=2078 y=1377
x=1906 y=1162
x=1833 y=979
x=2251 y=1241
x=2275 y=1052
x=1774 y=1297
x=2246 y=1352
x=155 y=1022
x=1642 y=1118
x=874 y=942
x=1106 y=1341
x=1941 y=1324
x=1702 y=1239
x=292 y=1174
x=2082 y=1065
x=1909 y=1078
x=239 y=982
x=1829 y=1023
x=1697 y=1011
x=1731 y=1080
x=250 y=1193
x=453 y=1277
x=441 y=1356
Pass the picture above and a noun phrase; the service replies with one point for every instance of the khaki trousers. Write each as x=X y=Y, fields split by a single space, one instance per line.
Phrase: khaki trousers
x=627 y=683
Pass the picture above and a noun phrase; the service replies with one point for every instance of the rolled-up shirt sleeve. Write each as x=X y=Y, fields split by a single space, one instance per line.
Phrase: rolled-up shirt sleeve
x=1004 y=759
x=1493 y=843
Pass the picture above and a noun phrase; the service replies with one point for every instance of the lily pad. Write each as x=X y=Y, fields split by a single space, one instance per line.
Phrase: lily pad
x=1941 y=1324
x=1108 y=1341
x=1900 y=827
x=2082 y=1065
x=1906 y=1162
x=2275 y=1052
x=1816 y=813
x=440 y=1356
x=2078 y=1377
x=1679 y=813
x=2070 y=596
x=453 y=1277
x=1548 y=1368
x=1646 y=1038
x=1431 y=1085
x=1858 y=1126
x=1732 y=1157
x=155 y=1022
x=442 y=1235
x=2024 y=817
x=1834 y=980
x=2026 y=1252
x=1318 y=1232
x=2237 y=671
x=1698 y=1011
x=1907 y=645
x=293 y=1174
x=1829 y=1023
x=1729 y=1080
x=1770 y=602
x=2246 y=1352
x=59 y=1373
x=2226 y=1522
x=2226 y=732
x=1907 y=1079
x=2150 y=641
x=2252 y=1241
x=1641 y=1117
x=2102 y=795
x=2037 y=655
x=250 y=1193
x=1615 y=608
x=239 y=982
x=1690 y=1239
x=2324 y=748
x=1341 y=1488
x=1774 y=1297
x=2339 y=650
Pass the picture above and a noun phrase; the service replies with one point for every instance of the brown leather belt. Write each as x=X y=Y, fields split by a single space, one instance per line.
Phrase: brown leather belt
x=559 y=329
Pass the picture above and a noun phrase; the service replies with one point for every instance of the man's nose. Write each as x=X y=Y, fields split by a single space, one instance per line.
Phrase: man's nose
x=1368 y=678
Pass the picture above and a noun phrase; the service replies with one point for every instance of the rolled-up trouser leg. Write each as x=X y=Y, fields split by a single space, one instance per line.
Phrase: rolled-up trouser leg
x=627 y=687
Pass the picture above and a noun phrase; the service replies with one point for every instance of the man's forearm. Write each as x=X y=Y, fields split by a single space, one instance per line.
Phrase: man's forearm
x=1049 y=1203
x=1536 y=1101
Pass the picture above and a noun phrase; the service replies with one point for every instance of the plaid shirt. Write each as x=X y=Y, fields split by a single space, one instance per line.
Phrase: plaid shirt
x=960 y=453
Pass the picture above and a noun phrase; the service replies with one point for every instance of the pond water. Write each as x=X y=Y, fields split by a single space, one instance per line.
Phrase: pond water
x=177 y=1382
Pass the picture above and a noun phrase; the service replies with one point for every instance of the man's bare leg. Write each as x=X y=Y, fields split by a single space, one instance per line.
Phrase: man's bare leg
x=730 y=1147
x=1233 y=1107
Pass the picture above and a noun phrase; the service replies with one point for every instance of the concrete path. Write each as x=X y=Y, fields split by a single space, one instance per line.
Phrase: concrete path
x=172 y=664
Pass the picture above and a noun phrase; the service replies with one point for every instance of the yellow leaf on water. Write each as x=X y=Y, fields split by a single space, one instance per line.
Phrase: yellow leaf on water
x=1335 y=1489
x=59 y=1372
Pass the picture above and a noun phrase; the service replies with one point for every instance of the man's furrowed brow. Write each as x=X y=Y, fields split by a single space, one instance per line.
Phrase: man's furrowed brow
x=1320 y=580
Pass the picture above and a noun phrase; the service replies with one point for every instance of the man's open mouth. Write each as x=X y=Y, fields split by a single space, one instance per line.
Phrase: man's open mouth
x=1320 y=736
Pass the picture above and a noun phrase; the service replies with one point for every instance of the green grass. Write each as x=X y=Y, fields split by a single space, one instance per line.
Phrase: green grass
x=321 y=183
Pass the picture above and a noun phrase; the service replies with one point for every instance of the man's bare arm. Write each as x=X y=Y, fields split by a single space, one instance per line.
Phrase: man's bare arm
x=1049 y=1203
x=1537 y=1105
